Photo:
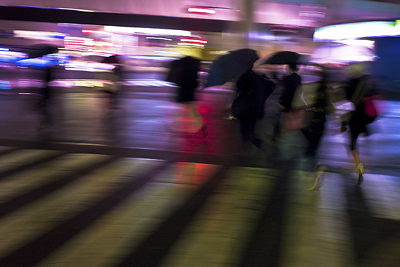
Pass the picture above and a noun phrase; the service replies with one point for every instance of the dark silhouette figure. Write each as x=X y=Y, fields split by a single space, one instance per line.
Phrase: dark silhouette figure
x=289 y=83
x=113 y=90
x=183 y=72
x=252 y=90
x=315 y=128
x=46 y=97
x=359 y=86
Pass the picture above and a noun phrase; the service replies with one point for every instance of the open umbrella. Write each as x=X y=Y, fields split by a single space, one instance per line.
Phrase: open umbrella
x=40 y=50
x=342 y=53
x=280 y=58
x=231 y=66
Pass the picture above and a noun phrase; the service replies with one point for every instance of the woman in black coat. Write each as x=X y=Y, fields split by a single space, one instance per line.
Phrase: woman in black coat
x=290 y=84
x=358 y=88
x=252 y=90
x=184 y=73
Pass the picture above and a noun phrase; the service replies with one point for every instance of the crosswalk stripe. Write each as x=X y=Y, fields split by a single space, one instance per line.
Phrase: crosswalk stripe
x=37 y=217
x=381 y=195
x=40 y=247
x=73 y=209
x=220 y=232
x=316 y=225
x=146 y=254
x=30 y=185
x=7 y=150
x=25 y=159
x=126 y=226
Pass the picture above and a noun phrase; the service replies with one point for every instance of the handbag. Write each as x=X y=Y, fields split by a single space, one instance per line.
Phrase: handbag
x=370 y=108
x=293 y=120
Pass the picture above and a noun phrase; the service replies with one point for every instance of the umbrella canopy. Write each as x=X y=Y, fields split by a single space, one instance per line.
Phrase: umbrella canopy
x=40 y=50
x=231 y=66
x=342 y=53
x=280 y=58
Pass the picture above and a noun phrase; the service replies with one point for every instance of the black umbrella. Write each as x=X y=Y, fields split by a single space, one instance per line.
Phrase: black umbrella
x=231 y=66
x=40 y=50
x=281 y=58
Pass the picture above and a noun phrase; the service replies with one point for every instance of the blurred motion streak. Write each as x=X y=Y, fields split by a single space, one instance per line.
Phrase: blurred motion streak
x=201 y=10
x=342 y=53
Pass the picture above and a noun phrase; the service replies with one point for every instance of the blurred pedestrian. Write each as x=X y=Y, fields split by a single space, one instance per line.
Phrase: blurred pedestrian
x=252 y=90
x=113 y=89
x=46 y=97
x=315 y=127
x=290 y=83
x=184 y=73
x=286 y=115
x=358 y=88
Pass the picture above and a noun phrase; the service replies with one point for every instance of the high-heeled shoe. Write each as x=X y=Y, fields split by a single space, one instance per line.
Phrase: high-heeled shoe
x=360 y=174
x=319 y=178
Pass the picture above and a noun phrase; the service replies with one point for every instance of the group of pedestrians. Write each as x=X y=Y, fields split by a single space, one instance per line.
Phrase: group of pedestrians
x=252 y=90
x=254 y=87
x=311 y=121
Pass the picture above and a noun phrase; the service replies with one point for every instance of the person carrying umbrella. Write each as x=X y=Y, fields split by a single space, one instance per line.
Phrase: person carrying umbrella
x=252 y=90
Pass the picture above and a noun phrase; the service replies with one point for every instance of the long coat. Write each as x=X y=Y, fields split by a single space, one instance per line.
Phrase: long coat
x=356 y=91
x=290 y=84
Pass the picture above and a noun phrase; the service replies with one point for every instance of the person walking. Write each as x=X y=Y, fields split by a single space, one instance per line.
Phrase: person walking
x=46 y=98
x=252 y=90
x=184 y=73
x=290 y=83
x=359 y=87
x=315 y=128
x=284 y=114
x=115 y=78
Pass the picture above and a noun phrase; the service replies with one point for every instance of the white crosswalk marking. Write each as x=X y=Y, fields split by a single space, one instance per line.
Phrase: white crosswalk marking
x=19 y=158
x=127 y=225
x=316 y=226
x=32 y=220
x=382 y=195
x=221 y=230
x=48 y=172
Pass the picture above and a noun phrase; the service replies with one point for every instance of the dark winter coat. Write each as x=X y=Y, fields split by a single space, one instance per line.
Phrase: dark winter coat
x=290 y=84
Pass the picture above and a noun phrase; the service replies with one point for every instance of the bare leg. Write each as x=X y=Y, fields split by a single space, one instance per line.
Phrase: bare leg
x=356 y=156
x=195 y=115
x=177 y=117
x=359 y=166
